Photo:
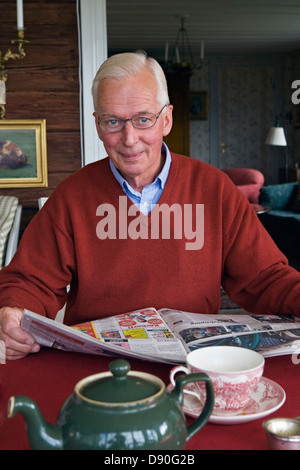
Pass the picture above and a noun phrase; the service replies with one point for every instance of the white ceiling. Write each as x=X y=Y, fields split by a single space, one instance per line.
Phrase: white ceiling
x=226 y=26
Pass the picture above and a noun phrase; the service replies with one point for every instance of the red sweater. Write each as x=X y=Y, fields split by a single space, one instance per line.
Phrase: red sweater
x=62 y=246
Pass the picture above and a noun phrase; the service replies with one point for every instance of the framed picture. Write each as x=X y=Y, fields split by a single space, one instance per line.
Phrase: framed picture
x=199 y=105
x=23 y=153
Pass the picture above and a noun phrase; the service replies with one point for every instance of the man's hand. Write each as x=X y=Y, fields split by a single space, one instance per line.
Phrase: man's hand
x=18 y=343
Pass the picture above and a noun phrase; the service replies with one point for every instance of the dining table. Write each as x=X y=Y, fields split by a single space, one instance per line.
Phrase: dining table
x=49 y=377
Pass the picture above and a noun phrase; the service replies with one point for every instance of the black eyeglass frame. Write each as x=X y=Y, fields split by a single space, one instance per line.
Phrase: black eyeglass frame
x=131 y=119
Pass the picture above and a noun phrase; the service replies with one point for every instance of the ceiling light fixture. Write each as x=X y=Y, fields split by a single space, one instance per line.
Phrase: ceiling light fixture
x=182 y=56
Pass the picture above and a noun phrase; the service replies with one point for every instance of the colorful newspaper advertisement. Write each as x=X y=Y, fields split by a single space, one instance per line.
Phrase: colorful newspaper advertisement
x=140 y=334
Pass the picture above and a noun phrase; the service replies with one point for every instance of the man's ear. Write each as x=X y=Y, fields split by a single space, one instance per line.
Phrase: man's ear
x=168 y=120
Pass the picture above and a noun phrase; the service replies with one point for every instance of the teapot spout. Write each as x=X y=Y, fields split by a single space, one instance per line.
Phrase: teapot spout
x=41 y=435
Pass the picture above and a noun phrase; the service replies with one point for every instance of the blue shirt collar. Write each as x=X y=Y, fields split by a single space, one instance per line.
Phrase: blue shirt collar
x=161 y=178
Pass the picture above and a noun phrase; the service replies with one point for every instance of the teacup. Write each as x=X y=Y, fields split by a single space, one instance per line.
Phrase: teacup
x=234 y=372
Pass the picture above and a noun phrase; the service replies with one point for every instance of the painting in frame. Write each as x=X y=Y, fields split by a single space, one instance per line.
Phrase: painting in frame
x=23 y=153
x=199 y=105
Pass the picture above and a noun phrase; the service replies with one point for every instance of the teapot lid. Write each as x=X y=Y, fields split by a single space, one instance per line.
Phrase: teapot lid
x=119 y=386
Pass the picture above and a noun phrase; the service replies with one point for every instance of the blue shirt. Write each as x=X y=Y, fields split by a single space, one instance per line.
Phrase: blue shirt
x=150 y=194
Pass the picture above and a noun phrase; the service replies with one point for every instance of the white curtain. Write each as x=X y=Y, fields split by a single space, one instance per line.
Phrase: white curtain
x=92 y=40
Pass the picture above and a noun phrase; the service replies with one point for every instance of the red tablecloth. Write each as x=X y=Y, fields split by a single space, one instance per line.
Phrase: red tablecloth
x=49 y=377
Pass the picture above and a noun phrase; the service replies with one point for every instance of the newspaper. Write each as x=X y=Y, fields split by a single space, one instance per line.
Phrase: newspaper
x=270 y=335
x=139 y=334
x=167 y=335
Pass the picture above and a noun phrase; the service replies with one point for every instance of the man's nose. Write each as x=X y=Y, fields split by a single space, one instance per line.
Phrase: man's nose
x=129 y=134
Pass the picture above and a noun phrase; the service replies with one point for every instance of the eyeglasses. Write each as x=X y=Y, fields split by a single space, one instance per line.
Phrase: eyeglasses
x=139 y=121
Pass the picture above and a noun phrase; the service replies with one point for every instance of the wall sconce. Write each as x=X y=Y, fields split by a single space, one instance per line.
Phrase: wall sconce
x=20 y=41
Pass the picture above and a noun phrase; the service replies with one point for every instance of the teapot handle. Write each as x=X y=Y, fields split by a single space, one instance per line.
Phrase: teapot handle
x=202 y=419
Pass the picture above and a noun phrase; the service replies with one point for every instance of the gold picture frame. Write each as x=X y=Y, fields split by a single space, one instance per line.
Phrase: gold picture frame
x=23 y=153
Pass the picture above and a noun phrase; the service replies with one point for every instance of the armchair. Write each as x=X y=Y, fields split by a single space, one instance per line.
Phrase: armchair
x=10 y=220
x=13 y=237
x=248 y=180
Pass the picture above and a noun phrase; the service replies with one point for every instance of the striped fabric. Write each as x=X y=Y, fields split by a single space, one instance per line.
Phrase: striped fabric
x=8 y=207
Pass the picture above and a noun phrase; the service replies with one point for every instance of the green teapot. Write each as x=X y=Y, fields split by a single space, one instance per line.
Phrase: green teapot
x=117 y=410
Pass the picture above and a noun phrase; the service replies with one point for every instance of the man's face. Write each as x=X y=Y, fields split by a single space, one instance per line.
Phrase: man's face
x=136 y=153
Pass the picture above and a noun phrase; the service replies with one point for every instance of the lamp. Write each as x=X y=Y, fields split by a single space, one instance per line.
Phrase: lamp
x=182 y=59
x=276 y=136
x=10 y=55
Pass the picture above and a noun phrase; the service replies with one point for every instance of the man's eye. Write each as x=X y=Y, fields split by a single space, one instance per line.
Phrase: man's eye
x=142 y=120
x=113 y=122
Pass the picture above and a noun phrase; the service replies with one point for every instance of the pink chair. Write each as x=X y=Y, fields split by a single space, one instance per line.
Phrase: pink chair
x=248 y=180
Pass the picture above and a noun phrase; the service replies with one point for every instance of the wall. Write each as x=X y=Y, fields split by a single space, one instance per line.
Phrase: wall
x=246 y=94
x=45 y=84
x=200 y=130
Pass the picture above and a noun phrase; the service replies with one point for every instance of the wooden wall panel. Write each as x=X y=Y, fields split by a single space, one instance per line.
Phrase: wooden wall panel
x=45 y=84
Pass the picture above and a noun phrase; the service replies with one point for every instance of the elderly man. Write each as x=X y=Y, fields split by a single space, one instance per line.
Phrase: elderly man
x=143 y=227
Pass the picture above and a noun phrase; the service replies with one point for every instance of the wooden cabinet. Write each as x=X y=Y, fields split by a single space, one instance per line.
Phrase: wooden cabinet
x=178 y=140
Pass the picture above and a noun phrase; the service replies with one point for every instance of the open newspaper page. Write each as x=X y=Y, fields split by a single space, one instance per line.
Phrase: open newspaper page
x=270 y=335
x=139 y=334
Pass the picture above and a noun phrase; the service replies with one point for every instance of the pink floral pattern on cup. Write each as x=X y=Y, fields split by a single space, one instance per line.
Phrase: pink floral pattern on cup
x=231 y=393
x=235 y=373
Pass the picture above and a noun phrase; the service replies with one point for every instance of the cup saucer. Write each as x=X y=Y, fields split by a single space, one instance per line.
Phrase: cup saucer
x=267 y=397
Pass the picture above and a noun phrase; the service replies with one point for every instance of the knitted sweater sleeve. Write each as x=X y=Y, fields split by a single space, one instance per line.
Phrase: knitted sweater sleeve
x=42 y=267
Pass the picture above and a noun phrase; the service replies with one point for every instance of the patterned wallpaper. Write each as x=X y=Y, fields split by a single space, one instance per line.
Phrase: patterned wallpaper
x=200 y=130
x=248 y=104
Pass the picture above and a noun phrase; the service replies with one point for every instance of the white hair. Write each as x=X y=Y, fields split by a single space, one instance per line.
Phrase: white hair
x=120 y=66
